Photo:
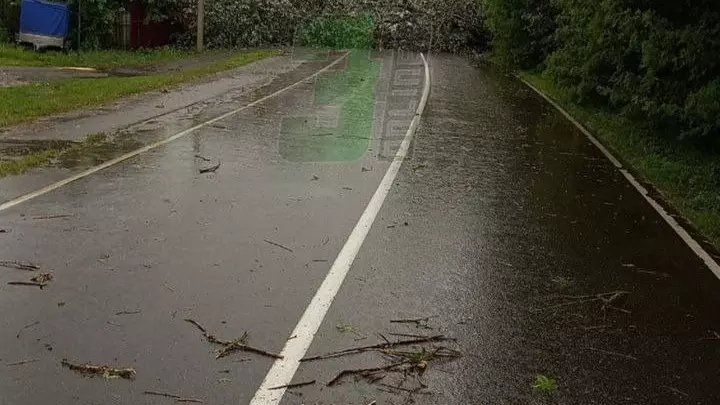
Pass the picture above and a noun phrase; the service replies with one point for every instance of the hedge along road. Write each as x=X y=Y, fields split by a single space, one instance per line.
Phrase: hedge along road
x=505 y=229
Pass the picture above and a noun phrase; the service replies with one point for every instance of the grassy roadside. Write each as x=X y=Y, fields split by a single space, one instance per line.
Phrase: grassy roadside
x=23 y=103
x=44 y=156
x=687 y=178
x=12 y=55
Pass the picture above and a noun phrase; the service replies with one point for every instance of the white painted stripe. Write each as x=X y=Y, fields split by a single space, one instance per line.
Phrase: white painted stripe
x=284 y=369
x=146 y=148
x=684 y=235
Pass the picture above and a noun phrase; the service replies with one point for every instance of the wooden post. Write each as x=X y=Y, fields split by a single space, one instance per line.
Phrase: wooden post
x=201 y=25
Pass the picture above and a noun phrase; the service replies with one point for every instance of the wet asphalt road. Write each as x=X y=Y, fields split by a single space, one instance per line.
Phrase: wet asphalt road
x=502 y=227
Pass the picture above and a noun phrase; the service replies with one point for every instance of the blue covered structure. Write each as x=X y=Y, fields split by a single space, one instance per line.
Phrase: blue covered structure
x=43 y=23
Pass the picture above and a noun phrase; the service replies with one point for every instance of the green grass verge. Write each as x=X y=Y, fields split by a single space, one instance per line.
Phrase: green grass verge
x=27 y=162
x=23 y=103
x=689 y=179
x=44 y=156
x=12 y=55
x=349 y=32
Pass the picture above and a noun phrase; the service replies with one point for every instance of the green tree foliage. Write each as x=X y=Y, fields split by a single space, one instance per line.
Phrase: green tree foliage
x=9 y=16
x=654 y=61
x=523 y=30
x=659 y=62
x=341 y=31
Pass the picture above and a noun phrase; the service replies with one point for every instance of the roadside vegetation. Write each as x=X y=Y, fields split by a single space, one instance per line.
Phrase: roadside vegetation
x=23 y=103
x=12 y=55
x=44 y=155
x=643 y=76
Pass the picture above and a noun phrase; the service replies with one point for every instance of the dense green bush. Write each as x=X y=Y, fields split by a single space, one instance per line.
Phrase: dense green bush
x=340 y=31
x=658 y=62
x=9 y=16
x=449 y=25
x=523 y=30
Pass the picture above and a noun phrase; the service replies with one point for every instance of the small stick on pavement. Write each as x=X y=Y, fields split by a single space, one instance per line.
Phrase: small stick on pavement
x=231 y=346
x=177 y=398
x=102 y=370
x=128 y=312
x=28 y=283
x=203 y=158
x=53 y=216
x=380 y=346
x=211 y=169
x=365 y=372
x=419 y=322
x=26 y=327
x=627 y=356
x=278 y=245
x=17 y=363
x=162 y=394
x=19 y=265
x=291 y=386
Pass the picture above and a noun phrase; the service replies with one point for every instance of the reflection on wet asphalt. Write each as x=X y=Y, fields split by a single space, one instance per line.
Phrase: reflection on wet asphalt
x=506 y=228
x=524 y=243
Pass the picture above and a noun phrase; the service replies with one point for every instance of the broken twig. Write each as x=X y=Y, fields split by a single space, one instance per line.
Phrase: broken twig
x=231 y=346
x=53 y=216
x=18 y=363
x=371 y=373
x=162 y=394
x=28 y=283
x=380 y=346
x=627 y=356
x=19 y=265
x=177 y=398
x=278 y=245
x=418 y=322
x=129 y=312
x=291 y=386
x=106 y=372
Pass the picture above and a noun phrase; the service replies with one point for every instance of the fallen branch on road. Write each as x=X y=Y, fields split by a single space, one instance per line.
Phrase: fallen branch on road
x=607 y=299
x=28 y=283
x=278 y=245
x=177 y=398
x=372 y=374
x=380 y=347
x=231 y=346
x=418 y=322
x=106 y=372
x=19 y=266
x=291 y=386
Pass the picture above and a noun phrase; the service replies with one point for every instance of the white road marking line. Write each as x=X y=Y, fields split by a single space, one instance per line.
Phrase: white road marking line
x=684 y=235
x=284 y=369
x=146 y=148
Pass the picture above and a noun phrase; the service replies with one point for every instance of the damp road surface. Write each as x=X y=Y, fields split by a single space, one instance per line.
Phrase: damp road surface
x=544 y=276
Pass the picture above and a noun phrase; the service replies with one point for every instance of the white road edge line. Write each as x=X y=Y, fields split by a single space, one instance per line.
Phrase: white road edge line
x=283 y=370
x=146 y=148
x=684 y=235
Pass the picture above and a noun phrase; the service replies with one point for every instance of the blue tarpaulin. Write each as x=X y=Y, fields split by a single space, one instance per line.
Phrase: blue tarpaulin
x=44 y=18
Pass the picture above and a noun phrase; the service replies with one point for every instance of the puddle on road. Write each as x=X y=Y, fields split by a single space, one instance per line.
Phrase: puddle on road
x=94 y=154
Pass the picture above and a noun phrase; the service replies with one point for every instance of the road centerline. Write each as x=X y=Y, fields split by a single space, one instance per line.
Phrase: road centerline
x=283 y=370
